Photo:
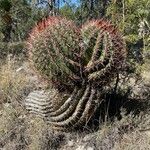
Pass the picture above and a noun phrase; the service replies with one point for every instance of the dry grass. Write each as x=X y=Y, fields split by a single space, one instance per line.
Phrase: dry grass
x=22 y=131
x=13 y=85
x=18 y=129
x=133 y=141
x=7 y=119
x=12 y=82
x=35 y=133
x=40 y=135
x=130 y=133
x=146 y=69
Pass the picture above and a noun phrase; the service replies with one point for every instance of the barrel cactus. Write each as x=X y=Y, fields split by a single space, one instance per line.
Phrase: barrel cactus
x=83 y=60
x=104 y=51
x=54 y=51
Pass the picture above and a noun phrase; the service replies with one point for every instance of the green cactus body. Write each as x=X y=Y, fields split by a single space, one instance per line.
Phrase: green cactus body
x=85 y=60
x=53 y=49
x=107 y=52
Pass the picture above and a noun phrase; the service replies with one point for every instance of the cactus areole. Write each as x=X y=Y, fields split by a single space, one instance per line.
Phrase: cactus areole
x=80 y=60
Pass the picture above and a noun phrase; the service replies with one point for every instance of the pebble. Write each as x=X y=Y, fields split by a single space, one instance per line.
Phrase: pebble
x=70 y=143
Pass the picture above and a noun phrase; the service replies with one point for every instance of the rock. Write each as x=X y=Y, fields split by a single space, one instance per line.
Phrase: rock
x=20 y=69
x=81 y=147
x=70 y=143
x=7 y=105
x=88 y=138
x=90 y=148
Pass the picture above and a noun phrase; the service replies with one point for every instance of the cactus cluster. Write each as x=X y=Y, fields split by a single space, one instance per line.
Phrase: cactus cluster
x=83 y=60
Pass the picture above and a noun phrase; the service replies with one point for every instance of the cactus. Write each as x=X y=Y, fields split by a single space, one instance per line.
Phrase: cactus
x=85 y=60
x=53 y=45
x=104 y=49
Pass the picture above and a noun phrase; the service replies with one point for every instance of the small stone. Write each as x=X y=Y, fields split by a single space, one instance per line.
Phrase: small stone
x=20 y=69
x=21 y=116
x=70 y=143
x=81 y=147
x=6 y=104
x=90 y=148
x=88 y=138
